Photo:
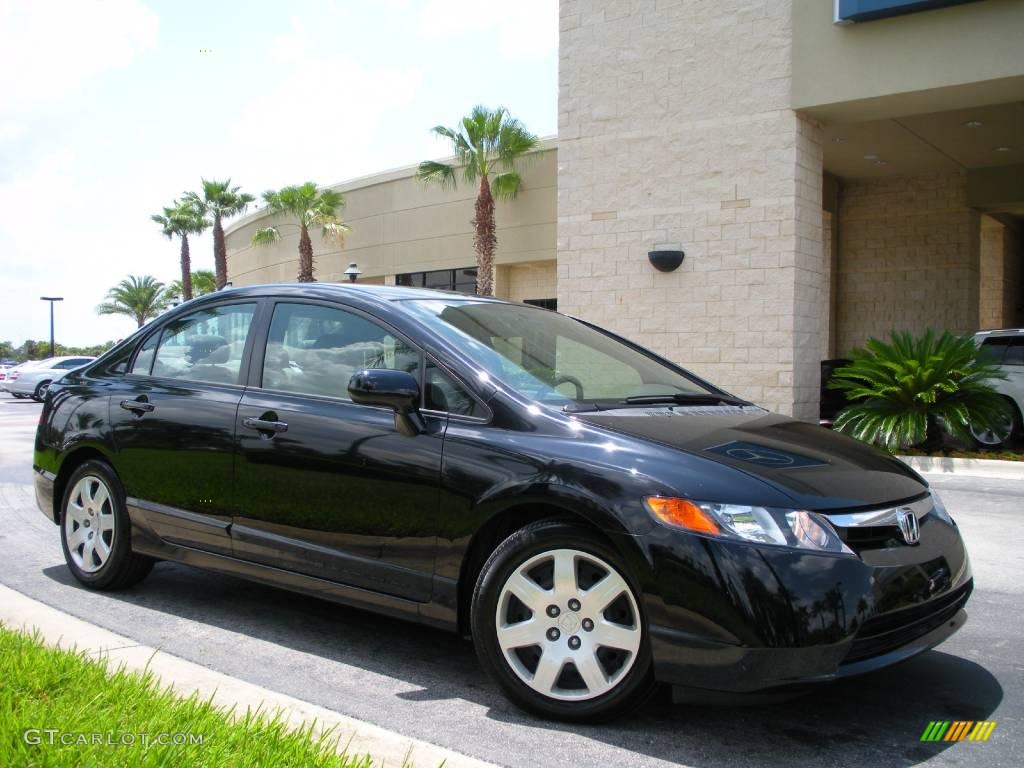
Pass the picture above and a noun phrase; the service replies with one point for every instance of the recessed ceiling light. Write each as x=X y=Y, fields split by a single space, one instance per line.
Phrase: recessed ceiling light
x=839 y=140
x=973 y=124
x=1002 y=149
x=870 y=157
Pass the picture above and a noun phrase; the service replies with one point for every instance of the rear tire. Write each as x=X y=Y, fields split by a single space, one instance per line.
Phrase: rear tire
x=1008 y=434
x=558 y=624
x=95 y=531
x=41 y=389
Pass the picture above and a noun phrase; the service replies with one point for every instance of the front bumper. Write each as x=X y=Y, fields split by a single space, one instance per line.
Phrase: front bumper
x=726 y=616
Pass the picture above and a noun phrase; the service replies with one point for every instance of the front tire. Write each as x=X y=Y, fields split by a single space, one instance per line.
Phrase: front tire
x=95 y=531
x=558 y=624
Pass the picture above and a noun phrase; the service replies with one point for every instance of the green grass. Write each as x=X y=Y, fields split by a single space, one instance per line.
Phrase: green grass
x=47 y=688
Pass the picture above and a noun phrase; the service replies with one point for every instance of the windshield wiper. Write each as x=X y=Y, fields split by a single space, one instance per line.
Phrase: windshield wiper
x=685 y=398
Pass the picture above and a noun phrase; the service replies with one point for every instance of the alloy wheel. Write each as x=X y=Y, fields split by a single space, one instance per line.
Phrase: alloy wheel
x=998 y=434
x=568 y=625
x=89 y=523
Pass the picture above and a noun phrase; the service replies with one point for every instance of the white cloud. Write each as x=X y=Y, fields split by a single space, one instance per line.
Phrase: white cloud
x=523 y=28
x=308 y=127
x=49 y=50
x=292 y=45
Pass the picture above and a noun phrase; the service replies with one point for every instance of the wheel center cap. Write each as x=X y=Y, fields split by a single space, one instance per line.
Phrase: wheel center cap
x=569 y=623
x=86 y=523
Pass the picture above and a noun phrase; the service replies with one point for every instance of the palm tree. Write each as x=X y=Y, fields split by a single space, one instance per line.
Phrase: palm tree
x=219 y=201
x=139 y=297
x=483 y=141
x=312 y=207
x=203 y=282
x=182 y=219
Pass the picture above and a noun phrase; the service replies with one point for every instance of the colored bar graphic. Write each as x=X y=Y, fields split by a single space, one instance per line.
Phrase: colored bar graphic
x=982 y=731
x=958 y=730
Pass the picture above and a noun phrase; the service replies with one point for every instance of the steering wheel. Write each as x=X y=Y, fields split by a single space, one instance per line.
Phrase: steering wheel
x=569 y=380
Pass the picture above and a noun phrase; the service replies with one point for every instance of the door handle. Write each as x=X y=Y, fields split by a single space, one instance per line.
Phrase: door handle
x=138 y=406
x=263 y=425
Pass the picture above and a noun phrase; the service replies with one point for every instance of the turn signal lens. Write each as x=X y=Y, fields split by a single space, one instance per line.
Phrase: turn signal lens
x=682 y=514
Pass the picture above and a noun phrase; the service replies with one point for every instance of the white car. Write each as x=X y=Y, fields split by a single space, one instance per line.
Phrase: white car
x=8 y=374
x=1008 y=347
x=34 y=380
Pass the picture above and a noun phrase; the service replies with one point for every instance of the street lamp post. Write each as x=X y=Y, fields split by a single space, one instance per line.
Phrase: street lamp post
x=51 y=299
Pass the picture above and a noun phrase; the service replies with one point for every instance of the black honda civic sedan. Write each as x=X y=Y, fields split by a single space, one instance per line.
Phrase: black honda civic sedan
x=595 y=517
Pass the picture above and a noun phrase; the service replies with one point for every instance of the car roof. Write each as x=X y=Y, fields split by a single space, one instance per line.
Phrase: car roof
x=380 y=293
x=62 y=358
x=1002 y=332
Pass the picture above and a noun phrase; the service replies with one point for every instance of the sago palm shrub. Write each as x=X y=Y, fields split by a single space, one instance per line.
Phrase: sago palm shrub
x=905 y=392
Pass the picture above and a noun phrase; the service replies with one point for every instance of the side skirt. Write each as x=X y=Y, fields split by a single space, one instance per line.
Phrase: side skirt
x=146 y=541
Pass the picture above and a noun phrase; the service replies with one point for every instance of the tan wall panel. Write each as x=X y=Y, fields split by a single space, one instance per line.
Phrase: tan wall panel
x=399 y=225
x=964 y=55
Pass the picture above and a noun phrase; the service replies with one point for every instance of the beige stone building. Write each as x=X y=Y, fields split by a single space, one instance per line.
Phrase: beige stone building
x=832 y=170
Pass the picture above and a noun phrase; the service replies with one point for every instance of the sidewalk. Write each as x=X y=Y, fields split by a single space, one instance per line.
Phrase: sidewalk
x=940 y=465
x=61 y=629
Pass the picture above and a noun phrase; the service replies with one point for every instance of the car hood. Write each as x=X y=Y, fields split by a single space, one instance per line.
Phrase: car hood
x=818 y=468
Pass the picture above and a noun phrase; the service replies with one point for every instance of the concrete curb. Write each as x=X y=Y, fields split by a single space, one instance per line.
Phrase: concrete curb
x=941 y=465
x=17 y=611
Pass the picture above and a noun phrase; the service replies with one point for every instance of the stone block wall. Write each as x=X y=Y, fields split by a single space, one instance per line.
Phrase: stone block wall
x=675 y=131
x=909 y=258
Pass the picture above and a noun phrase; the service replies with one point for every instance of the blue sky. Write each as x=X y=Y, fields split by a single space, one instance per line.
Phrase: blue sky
x=108 y=110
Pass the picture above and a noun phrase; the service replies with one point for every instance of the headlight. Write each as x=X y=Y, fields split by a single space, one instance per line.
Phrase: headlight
x=939 y=509
x=761 y=525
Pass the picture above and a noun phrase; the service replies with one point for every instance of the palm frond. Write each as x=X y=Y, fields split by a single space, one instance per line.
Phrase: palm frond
x=265 y=236
x=505 y=186
x=432 y=172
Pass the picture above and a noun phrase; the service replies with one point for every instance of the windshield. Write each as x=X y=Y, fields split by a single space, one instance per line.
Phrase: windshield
x=551 y=358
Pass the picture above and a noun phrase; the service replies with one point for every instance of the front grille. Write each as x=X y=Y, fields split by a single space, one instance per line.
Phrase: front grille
x=898 y=628
x=871 y=537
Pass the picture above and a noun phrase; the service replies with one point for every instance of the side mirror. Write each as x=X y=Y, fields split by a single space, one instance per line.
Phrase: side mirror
x=396 y=390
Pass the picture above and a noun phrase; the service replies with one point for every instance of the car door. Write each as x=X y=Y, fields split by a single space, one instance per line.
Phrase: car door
x=173 y=417
x=326 y=487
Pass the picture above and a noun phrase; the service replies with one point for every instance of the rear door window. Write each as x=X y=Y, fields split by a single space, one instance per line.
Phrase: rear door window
x=206 y=345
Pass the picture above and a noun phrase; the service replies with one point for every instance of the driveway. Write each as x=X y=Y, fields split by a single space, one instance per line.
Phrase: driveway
x=427 y=684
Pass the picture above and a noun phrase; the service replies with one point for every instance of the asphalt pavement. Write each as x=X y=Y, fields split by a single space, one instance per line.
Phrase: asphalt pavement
x=427 y=684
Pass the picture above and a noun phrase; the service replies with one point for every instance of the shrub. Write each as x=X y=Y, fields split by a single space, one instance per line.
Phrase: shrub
x=905 y=393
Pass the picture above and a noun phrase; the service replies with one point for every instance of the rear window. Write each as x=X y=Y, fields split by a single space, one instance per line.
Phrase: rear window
x=1007 y=350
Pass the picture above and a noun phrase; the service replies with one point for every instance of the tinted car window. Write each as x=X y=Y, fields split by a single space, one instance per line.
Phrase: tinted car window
x=443 y=393
x=549 y=357
x=1015 y=353
x=144 y=360
x=77 y=362
x=996 y=346
x=314 y=350
x=206 y=345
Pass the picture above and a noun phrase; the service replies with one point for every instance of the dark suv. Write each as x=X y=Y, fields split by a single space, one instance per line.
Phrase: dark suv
x=596 y=517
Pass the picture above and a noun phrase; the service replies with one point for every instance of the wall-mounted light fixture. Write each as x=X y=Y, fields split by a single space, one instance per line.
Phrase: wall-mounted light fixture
x=666 y=261
x=352 y=272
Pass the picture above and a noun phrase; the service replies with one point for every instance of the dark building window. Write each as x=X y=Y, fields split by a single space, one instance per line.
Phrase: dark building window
x=461 y=280
x=551 y=304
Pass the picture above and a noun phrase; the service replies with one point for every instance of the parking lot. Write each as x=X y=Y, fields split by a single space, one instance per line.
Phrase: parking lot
x=427 y=684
